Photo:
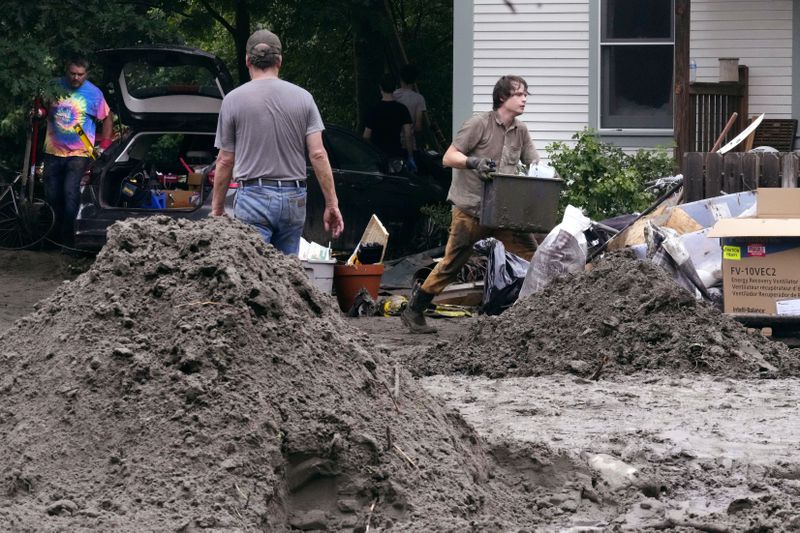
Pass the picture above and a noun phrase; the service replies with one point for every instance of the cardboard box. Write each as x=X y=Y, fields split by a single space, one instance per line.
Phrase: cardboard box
x=194 y=179
x=177 y=199
x=761 y=256
x=778 y=203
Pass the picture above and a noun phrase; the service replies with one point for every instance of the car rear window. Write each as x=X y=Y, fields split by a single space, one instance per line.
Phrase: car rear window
x=350 y=153
x=147 y=81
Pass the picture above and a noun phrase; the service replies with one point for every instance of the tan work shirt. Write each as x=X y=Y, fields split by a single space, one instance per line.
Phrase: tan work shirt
x=484 y=135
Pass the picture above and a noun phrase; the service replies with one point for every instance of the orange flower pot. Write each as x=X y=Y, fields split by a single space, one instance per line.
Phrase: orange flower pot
x=349 y=279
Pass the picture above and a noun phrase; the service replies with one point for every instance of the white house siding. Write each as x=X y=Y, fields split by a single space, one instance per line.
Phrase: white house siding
x=759 y=33
x=547 y=43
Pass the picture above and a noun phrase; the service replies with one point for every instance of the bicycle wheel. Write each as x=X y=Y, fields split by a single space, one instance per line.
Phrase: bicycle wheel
x=24 y=223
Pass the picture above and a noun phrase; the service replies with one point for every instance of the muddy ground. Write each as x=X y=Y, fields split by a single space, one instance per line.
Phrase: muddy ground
x=711 y=452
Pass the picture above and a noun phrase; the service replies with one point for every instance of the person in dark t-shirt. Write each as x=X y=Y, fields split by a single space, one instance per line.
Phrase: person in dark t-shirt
x=386 y=120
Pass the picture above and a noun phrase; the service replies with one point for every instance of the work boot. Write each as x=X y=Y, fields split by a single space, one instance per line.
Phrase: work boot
x=414 y=314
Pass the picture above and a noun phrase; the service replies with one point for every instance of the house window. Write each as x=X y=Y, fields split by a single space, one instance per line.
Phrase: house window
x=637 y=47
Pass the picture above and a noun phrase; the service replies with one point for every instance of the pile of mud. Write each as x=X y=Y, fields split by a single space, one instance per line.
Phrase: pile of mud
x=623 y=316
x=194 y=379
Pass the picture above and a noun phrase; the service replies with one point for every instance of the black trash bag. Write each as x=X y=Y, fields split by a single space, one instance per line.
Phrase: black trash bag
x=505 y=273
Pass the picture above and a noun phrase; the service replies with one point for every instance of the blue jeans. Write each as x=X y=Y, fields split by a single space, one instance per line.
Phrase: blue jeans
x=279 y=213
x=62 y=189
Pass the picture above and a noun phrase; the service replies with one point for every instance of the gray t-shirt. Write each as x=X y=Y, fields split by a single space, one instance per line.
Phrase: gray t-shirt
x=415 y=103
x=265 y=123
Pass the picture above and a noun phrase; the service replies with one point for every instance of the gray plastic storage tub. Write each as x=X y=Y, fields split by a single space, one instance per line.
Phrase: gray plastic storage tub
x=320 y=273
x=520 y=203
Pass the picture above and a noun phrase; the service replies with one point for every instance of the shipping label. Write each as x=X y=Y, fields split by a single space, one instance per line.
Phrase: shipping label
x=787 y=307
x=732 y=253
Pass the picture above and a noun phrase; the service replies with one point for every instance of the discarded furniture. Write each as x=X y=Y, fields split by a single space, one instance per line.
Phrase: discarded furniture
x=777 y=133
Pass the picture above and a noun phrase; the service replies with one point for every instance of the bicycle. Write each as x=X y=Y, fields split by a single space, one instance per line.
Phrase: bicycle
x=25 y=221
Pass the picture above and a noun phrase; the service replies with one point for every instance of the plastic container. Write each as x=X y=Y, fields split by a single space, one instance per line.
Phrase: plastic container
x=320 y=273
x=167 y=179
x=158 y=200
x=520 y=203
x=349 y=279
x=692 y=71
x=728 y=69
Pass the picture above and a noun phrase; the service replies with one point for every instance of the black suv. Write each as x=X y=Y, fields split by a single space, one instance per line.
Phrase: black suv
x=168 y=99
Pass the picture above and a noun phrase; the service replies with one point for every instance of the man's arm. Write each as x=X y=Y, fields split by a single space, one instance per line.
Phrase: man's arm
x=408 y=134
x=223 y=174
x=453 y=158
x=106 y=132
x=332 y=218
x=419 y=120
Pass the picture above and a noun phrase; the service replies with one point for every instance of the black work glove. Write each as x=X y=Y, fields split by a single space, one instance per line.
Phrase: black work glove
x=483 y=165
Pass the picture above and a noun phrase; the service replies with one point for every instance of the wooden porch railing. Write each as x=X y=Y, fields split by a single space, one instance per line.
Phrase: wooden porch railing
x=710 y=107
x=707 y=175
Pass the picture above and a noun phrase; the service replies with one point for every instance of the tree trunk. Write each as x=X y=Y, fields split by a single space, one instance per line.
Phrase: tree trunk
x=371 y=29
x=242 y=26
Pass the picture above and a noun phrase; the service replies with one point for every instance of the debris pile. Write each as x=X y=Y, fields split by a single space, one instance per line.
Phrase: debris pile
x=623 y=316
x=194 y=379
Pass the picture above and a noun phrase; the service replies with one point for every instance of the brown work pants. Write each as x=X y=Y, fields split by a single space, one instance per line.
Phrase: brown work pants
x=465 y=231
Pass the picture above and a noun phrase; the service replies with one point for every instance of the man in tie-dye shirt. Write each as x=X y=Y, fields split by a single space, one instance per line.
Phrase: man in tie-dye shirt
x=66 y=157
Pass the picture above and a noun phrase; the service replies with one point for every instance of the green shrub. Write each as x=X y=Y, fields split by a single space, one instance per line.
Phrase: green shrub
x=602 y=179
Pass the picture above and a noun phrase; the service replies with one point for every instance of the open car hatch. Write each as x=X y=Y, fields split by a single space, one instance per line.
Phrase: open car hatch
x=165 y=87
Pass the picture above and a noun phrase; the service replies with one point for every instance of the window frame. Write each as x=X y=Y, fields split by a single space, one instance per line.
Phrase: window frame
x=601 y=42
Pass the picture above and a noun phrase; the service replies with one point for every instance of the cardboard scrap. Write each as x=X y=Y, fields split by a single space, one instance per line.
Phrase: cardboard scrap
x=374 y=232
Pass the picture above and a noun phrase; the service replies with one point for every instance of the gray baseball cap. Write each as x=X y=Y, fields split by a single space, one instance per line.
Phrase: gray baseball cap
x=262 y=43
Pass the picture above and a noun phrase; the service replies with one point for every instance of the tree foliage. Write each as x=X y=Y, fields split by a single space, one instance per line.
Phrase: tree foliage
x=337 y=50
x=39 y=36
x=602 y=179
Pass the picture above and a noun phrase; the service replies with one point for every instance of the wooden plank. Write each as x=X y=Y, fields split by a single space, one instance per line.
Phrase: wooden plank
x=751 y=171
x=713 y=181
x=681 y=68
x=693 y=178
x=790 y=167
x=732 y=179
x=770 y=170
x=681 y=222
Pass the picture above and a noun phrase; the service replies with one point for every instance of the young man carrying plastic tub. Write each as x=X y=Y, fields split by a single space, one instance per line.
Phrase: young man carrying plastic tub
x=487 y=142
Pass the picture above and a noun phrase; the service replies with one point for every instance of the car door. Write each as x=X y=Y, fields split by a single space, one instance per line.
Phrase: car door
x=363 y=187
x=167 y=99
x=168 y=88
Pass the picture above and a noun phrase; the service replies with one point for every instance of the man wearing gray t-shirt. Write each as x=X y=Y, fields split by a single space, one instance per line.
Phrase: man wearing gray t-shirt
x=264 y=131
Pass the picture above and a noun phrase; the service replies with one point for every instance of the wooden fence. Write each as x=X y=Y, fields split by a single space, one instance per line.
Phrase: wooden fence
x=707 y=175
x=710 y=107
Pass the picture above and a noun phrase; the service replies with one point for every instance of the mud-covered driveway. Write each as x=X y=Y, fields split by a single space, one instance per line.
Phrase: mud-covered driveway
x=662 y=450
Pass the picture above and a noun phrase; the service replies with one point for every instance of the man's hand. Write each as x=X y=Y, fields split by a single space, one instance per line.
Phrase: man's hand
x=332 y=218
x=102 y=146
x=483 y=165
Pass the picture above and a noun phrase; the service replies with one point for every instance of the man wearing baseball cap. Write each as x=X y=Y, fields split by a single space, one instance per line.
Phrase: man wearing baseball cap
x=264 y=131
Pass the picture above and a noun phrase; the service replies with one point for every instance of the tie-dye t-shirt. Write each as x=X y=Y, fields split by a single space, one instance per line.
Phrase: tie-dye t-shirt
x=81 y=106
